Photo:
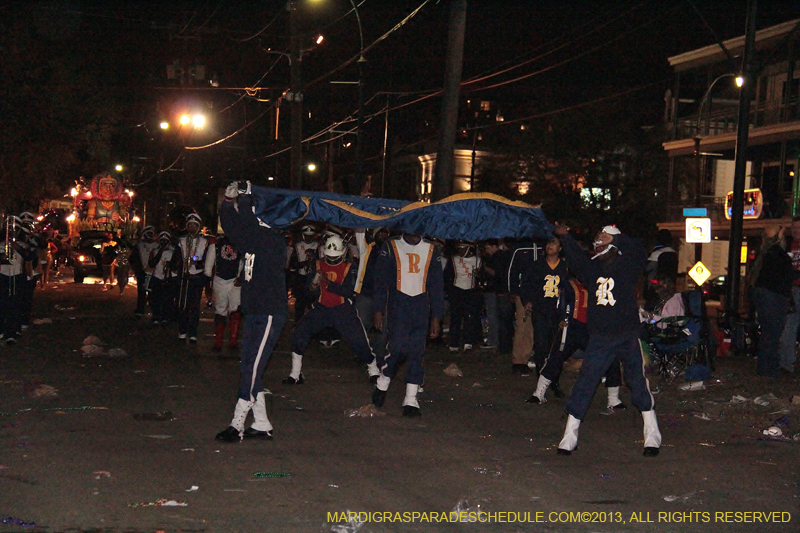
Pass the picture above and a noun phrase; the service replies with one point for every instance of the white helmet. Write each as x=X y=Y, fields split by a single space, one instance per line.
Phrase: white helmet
x=334 y=247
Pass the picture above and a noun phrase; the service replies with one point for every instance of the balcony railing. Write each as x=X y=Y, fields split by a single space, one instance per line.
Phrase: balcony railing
x=716 y=208
x=714 y=205
x=723 y=120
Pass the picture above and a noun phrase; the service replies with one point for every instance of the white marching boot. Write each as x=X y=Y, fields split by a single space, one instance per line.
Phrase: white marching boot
x=652 y=435
x=373 y=371
x=541 y=390
x=614 y=403
x=234 y=432
x=410 y=403
x=613 y=396
x=261 y=426
x=570 y=439
x=296 y=375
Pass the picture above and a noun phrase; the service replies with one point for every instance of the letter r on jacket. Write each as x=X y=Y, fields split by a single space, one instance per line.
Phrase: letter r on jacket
x=413 y=263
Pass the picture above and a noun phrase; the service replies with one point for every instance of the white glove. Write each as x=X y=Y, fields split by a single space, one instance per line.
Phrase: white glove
x=243 y=189
x=232 y=191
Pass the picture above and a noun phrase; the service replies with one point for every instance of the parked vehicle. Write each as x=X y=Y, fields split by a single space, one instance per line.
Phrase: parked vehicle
x=86 y=254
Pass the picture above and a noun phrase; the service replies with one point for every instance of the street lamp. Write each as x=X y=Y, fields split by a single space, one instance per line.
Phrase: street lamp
x=697 y=140
x=739 y=83
x=697 y=137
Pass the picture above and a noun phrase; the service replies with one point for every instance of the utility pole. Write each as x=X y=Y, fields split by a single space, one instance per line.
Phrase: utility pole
x=385 y=142
x=443 y=176
x=360 y=131
x=698 y=177
x=740 y=165
x=296 y=99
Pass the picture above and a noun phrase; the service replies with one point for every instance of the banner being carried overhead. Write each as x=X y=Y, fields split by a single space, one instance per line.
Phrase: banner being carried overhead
x=467 y=216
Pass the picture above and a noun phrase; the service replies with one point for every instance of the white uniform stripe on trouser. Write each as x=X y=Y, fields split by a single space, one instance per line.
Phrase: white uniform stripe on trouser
x=644 y=375
x=258 y=356
x=364 y=330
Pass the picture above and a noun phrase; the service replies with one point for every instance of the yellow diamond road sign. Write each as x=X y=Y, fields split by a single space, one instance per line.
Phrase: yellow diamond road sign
x=699 y=273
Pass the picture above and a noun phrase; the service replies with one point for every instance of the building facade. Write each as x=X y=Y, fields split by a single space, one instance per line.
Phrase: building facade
x=701 y=116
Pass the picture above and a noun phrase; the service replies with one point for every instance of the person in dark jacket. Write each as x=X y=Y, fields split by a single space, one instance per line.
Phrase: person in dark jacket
x=499 y=308
x=662 y=263
x=264 y=305
x=522 y=256
x=770 y=293
x=539 y=292
x=610 y=278
x=572 y=336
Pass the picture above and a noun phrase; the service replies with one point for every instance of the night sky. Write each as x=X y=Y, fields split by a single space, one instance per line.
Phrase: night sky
x=565 y=53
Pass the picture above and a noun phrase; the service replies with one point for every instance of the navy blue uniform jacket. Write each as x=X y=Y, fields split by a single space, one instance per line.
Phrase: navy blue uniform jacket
x=264 y=284
x=613 y=306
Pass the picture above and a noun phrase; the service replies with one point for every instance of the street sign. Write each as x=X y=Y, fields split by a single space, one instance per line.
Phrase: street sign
x=698 y=230
x=699 y=273
x=695 y=212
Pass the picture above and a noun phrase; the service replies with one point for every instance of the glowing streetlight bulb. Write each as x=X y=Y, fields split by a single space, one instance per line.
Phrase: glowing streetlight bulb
x=312 y=167
x=739 y=81
x=118 y=168
x=198 y=121
x=185 y=119
x=320 y=38
x=164 y=125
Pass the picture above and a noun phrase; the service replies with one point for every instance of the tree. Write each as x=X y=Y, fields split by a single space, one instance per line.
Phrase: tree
x=588 y=167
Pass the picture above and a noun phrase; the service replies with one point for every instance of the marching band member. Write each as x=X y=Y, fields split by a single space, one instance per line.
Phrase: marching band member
x=140 y=258
x=225 y=267
x=610 y=277
x=164 y=263
x=333 y=279
x=466 y=301
x=409 y=288
x=12 y=277
x=539 y=292
x=193 y=250
x=304 y=252
x=264 y=305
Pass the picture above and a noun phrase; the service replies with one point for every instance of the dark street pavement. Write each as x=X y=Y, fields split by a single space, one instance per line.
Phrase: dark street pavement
x=124 y=432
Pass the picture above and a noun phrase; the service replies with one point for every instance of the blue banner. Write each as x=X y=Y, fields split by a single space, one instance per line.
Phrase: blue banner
x=466 y=216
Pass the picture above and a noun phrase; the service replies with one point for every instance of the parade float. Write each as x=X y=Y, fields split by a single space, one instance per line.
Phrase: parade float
x=103 y=205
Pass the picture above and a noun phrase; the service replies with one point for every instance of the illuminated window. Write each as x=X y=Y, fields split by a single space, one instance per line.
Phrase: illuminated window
x=486 y=105
x=596 y=196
